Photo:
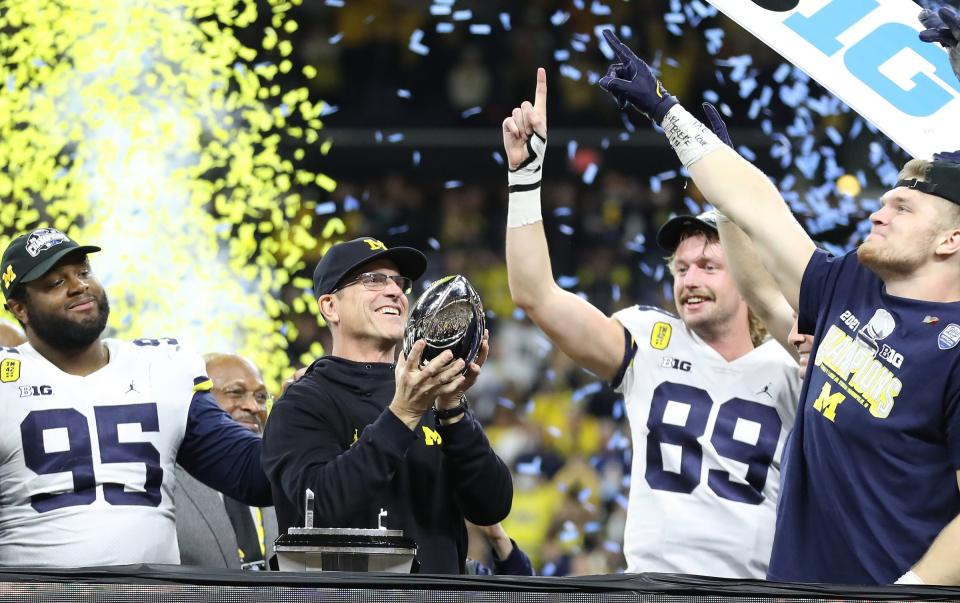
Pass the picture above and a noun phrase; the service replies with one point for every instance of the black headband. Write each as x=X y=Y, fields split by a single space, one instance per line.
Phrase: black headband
x=942 y=180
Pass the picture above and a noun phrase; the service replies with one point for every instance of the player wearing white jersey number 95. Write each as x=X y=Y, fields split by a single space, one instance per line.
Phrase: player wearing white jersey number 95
x=95 y=427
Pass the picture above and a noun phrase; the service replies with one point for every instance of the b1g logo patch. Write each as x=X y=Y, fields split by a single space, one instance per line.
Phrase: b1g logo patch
x=660 y=336
x=949 y=337
x=9 y=370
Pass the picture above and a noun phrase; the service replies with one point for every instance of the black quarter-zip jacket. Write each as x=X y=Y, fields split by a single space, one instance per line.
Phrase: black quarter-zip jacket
x=332 y=432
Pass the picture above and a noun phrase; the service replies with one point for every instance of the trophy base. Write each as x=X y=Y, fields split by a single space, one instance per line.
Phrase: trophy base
x=344 y=550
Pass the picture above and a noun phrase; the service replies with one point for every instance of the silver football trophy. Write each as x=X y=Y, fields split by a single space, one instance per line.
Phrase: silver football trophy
x=310 y=549
x=448 y=316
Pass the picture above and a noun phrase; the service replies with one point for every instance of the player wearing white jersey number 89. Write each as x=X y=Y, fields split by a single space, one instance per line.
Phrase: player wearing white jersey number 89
x=709 y=405
x=95 y=427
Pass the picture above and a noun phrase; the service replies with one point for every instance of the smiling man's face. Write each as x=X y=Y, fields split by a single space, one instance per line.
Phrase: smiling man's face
x=373 y=315
x=67 y=307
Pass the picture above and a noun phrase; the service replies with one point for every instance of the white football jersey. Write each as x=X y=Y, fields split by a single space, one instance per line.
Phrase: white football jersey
x=87 y=463
x=708 y=436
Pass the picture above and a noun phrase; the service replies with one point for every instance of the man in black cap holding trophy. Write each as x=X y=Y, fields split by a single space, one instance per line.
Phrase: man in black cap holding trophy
x=379 y=442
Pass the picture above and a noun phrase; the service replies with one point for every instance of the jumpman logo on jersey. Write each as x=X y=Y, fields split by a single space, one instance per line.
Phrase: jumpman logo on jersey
x=132 y=389
x=766 y=390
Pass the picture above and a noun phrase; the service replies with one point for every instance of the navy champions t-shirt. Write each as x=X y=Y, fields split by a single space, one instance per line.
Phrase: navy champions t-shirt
x=870 y=473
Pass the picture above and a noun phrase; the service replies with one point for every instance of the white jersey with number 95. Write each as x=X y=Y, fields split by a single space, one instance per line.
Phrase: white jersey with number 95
x=87 y=463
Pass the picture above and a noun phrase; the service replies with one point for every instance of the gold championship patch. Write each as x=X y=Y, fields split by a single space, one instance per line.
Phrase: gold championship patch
x=9 y=370
x=660 y=336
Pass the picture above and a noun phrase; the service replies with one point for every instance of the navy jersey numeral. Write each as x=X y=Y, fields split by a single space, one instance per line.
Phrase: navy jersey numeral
x=78 y=457
x=757 y=457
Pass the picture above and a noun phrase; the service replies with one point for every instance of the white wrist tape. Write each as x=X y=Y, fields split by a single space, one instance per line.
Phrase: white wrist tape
x=909 y=578
x=691 y=140
x=524 y=185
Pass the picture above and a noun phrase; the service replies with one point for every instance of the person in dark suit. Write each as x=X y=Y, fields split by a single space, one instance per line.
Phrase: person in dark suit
x=214 y=530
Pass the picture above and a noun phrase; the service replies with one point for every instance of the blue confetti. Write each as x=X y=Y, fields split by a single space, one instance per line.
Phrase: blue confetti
x=398 y=229
x=780 y=75
x=506 y=403
x=559 y=18
x=350 y=204
x=395 y=137
x=571 y=149
x=609 y=545
x=415 y=43
x=598 y=8
x=562 y=211
x=471 y=111
x=714 y=39
x=587 y=390
x=453 y=184
x=617 y=411
x=833 y=135
x=590 y=173
x=463 y=15
x=434 y=244
x=325 y=208
x=561 y=55
x=747 y=153
x=404 y=93
x=445 y=27
x=505 y=21
x=336 y=3
x=615 y=292
x=335 y=39
x=439 y=9
x=416 y=158
x=571 y=72
x=498 y=157
x=531 y=468
x=566 y=229
x=480 y=29
x=567 y=282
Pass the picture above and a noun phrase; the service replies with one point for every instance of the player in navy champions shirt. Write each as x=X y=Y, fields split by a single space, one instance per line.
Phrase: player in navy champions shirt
x=870 y=483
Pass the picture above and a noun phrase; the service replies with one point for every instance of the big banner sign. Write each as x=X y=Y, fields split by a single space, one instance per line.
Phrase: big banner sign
x=867 y=53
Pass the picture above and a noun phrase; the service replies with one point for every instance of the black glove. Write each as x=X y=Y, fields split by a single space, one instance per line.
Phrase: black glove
x=632 y=81
x=943 y=27
x=716 y=124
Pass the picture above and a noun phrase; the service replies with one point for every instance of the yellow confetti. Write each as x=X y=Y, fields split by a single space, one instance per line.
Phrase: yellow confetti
x=151 y=129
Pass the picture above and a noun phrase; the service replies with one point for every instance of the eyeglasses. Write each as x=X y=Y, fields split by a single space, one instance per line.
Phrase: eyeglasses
x=377 y=281
x=239 y=394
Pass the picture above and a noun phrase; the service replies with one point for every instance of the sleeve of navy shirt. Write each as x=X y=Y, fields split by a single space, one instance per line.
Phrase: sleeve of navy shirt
x=516 y=564
x=223 y=454
x=481 y=481
x=305 y=449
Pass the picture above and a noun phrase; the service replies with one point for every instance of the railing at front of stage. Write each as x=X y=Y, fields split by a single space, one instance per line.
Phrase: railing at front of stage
x=180 y=583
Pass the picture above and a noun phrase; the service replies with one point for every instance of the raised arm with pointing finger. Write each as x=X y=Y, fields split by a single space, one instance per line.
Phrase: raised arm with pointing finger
x=567 y=319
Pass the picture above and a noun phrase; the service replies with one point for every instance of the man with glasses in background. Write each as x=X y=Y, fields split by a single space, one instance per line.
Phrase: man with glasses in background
x=381 y=442
x=214 y=530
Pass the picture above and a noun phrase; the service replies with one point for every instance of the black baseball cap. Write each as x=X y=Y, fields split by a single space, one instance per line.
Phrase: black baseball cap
x=343 y=258
x=670 y=234
x=31 y=255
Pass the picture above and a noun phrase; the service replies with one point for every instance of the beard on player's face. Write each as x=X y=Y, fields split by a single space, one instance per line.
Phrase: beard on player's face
x=64 y=333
